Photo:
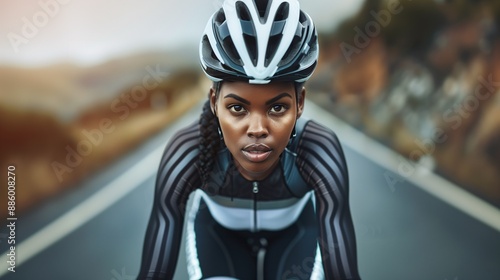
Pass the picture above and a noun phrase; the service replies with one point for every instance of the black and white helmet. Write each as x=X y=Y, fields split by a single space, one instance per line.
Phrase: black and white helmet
x=259 y=41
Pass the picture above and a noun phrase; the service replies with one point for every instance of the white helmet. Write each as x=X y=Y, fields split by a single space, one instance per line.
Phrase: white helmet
x=259 y=41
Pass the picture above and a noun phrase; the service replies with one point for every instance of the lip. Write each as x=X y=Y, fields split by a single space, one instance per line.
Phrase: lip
x=257 y=152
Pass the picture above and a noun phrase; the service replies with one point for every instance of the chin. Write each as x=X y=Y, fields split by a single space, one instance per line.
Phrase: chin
x=257 y=171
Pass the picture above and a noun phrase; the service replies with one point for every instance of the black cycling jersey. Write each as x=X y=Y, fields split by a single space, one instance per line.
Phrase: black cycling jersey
x=312 y=163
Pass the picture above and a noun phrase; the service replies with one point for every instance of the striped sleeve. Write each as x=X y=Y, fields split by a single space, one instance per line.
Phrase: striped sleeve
x=177 y=177
x=322 y=164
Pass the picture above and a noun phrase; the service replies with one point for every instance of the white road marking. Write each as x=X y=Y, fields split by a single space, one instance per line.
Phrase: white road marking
x=387 y=158
x=86 y=210
x=95 y=204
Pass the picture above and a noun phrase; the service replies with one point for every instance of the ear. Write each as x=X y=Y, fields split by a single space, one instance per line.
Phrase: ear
x=300 y=102
x=213 y=99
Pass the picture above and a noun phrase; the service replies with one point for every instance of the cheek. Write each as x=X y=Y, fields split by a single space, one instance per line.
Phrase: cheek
x=229 y=128
x=283 y=128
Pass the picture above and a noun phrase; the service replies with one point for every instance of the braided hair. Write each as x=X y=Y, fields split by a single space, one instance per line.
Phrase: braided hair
x=210 y=141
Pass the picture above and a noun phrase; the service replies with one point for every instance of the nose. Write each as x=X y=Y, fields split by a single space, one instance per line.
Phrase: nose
x=257 y=127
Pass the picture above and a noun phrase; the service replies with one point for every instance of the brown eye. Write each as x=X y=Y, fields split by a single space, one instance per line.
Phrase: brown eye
x=278 y=109
x=236 y=109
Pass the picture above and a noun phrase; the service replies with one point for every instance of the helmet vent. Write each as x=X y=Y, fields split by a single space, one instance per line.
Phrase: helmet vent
x=251 y=44
x=292 y=51
x=262 y=6
x=231 y=50
x=207 y=50
x=282 y=12
x=220 y=17
x=272 y=47
x=242 y=11
x=302 y=17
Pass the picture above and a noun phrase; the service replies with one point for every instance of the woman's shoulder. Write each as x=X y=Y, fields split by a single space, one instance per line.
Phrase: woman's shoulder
x=183 y=140
x=187 y=133
x=318 y=142
x=315 y=133
x=320 y=156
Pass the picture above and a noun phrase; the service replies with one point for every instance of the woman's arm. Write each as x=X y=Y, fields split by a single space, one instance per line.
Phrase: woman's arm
x=177 y=177
x=323 y=166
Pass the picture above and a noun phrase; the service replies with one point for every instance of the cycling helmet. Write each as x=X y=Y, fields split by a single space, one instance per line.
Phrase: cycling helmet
x=259 y=41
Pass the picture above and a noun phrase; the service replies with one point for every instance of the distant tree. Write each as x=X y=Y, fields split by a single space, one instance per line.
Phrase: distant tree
x=414 y=29
x=409 y=31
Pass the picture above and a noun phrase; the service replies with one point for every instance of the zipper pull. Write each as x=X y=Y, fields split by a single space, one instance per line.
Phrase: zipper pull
x=255 y=187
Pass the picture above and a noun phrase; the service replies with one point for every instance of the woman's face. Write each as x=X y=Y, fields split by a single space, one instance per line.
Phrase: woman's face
x=256 y=122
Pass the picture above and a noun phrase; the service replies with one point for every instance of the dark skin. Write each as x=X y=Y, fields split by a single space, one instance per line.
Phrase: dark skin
x=256 y=122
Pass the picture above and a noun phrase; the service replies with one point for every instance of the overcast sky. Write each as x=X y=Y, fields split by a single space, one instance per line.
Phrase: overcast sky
x=91 y=31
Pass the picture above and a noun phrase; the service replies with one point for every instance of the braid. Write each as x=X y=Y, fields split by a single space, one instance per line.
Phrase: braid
x=209 y=141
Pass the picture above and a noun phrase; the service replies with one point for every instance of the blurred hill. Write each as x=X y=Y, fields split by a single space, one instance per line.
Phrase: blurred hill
x=63 y=122
x=422 y=77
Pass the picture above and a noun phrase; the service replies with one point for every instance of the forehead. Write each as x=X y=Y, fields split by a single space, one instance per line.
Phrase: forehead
x=252 y=91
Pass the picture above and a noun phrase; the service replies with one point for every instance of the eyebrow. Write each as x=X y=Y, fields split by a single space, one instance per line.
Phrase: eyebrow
x=240 y=99
x=278 y=97
x=270 y=101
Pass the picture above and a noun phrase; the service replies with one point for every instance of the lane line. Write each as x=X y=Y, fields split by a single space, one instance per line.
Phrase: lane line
x=426 y=180
x=97 y=203
x=86 y=210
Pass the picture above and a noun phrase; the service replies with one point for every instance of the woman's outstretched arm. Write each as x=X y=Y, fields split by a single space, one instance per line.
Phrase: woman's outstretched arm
x=322 y=165
x=177 y=177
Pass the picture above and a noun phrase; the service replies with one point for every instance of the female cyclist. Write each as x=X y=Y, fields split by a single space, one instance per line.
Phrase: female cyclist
x=270 y=190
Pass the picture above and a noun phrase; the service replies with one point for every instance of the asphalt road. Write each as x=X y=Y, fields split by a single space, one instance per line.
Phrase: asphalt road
x=403 y=232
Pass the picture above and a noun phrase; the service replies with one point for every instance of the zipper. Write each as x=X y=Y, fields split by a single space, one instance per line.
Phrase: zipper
x=255 y=192
x=255 y=187
x=262 y=242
